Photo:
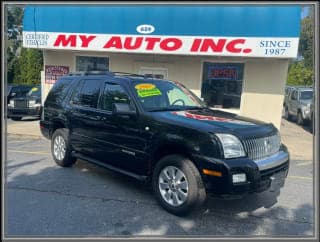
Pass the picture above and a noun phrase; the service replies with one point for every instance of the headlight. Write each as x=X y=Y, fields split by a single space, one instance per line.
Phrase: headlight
x=232 y=146
x=11 y=104
x=306 y=109
x=33 y=103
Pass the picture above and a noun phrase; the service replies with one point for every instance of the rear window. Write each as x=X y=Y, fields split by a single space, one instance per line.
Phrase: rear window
x=59 y=90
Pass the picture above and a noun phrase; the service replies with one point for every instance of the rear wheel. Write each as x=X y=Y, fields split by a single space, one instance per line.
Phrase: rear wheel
x=60 y=148
x=178 y=185
x=287 y=114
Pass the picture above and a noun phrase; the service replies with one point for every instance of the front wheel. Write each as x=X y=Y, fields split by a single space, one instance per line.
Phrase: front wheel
x=60 y=148
x=300 y=120
x=178 y=185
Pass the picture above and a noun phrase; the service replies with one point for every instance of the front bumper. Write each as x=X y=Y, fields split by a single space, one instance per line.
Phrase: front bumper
x=306 y=113
x=22 y=112
x=260 y=174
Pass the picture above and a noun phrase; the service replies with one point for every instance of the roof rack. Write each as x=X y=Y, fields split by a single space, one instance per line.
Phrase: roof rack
x=86 y=73
x=119 y=73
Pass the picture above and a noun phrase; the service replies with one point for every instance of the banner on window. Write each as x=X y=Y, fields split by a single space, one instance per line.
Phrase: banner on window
x=53 y=73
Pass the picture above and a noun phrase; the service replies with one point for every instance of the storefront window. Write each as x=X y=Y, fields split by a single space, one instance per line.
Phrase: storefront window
x=87 y=63
x=222 y=84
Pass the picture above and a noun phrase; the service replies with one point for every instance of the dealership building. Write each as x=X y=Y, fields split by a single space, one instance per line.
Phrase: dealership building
x=236 y=57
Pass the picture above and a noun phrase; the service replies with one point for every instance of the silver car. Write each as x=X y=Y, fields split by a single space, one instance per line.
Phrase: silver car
x=297 y=104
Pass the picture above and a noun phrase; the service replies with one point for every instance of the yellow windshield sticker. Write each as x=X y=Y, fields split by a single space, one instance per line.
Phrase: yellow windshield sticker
x=145 y=86
x=149 y=92
x=34 y=89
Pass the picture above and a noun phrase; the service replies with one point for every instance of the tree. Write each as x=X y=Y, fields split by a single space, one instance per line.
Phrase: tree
x=306 y=41
x=301 y=72
x=299 y=75
x=27 y=68
x=18 y=15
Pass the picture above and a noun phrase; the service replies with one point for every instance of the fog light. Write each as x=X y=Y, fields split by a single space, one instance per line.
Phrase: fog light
x=241 y=177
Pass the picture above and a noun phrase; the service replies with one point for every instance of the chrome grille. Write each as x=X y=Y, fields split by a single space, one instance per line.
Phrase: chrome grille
x=259 y=148
x=20 y=103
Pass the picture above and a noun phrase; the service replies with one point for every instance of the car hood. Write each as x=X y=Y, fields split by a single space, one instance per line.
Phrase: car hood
x=306 y=101
x=209 y=120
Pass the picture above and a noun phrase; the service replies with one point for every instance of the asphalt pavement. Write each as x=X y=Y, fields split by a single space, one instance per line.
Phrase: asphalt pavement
x=43 y=199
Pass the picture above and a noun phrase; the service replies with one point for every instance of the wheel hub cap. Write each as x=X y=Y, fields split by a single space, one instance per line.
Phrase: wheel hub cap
x=59 y=147
x=173 y=185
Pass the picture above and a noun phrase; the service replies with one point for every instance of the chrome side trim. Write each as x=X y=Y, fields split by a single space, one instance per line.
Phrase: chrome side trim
x=272 y=161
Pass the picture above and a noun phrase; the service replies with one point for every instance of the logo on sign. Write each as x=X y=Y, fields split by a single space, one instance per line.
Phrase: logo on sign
x=145 y=29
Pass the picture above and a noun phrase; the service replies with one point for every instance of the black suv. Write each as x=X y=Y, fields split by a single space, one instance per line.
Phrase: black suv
x=14 y=91
x=28 y=104
x=159 y=131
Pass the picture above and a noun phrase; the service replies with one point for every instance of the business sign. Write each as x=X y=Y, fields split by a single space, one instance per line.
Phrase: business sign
x=53 y=73
x=178 y=45
x=255 y=31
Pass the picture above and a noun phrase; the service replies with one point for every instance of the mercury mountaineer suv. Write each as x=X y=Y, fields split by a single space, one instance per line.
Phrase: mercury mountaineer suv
x=158 y=131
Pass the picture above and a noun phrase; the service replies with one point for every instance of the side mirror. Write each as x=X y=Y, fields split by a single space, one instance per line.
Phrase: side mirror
x=123 y=109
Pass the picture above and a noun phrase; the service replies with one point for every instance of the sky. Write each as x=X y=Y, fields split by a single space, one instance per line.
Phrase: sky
x=304 y=12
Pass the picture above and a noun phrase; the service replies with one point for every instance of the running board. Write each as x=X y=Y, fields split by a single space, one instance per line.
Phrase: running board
x=108 y=166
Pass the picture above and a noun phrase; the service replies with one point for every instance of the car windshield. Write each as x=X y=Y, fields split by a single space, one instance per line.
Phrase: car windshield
x=165 y=96
x=35 y=91
x=305 y=95
x=19 y=91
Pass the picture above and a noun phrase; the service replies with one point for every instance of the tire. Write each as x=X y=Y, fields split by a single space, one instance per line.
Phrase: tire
x=311 y=123
x=176 y=198
x=60 y=148
x=287 y=115
x=16 y=118
x=300 y=120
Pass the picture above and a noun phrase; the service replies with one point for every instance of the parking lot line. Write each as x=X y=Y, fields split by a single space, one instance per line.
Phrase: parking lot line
x=304 y=163
x=30 y=152
x=301 y=177
x=16 y=141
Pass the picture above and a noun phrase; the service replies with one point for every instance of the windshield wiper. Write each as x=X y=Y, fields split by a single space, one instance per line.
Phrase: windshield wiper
x=165 y=109
x=182 y=108
x=195 y=108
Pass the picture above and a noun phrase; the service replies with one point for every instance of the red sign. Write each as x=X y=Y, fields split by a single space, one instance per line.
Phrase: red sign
x=53 y=73
x=223 y=73
x=160 y=44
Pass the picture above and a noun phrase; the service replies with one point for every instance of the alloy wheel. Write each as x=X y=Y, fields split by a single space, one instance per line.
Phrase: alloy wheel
x=59 y=147
x=173 y=186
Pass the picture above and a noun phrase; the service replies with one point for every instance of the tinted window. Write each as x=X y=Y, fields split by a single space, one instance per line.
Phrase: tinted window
x=90 y=93
x=113 y=93
x=59 y=90
x=75 y=98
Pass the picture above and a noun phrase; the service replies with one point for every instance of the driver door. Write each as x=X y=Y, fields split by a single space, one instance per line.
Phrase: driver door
x=120 y=139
